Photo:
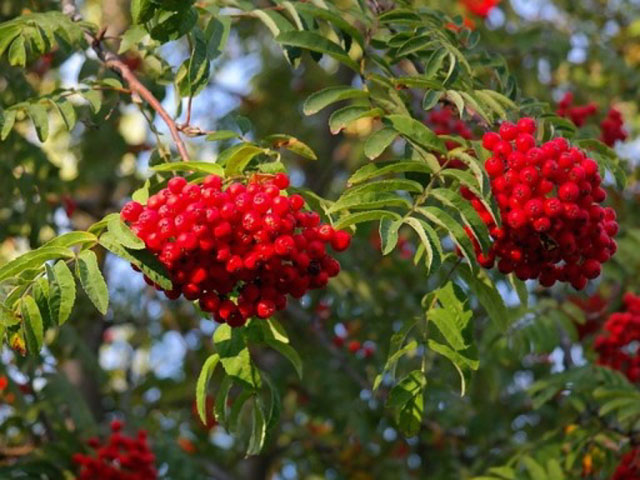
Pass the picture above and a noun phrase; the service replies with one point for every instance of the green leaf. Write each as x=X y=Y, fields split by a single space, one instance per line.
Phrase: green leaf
x=239 y=156
x=34 y=332
x=92 y=281
x=144 y=260
x=122 y=233
x=341 y=118
x=360 y=217
x=201 y=385
x=71 y=239
x=536 y=471
x=40 y=118
x=234 y=355
x=8 y=121
x=429 y=240
x=7 y=317
x=132 y=36
x=193 y=75
x=217 y=34
x=222 y=135
x=461 y=363
x=406 y=400
x=66 y=111
x=384 y=185
x=94 y=97
x=7 y=34
x=389 y=234
x=40 y=291
x=204 y=167
x=327 y=96
x=416 y=132
x=372 y=170
x=431 y=99
x=292 y=144
x=459 y=236
x=62 y=292
x=370 y=200
x=141 y=10
x=468 y=213
x=317 y=43
x=141 y=195
x=33 y=259
x=415 y=44
x=288 y=352
x=258 y=430
x=220 y=407
x=18 y=52
x=395 y=346
x=334 y=18
x=378 y=142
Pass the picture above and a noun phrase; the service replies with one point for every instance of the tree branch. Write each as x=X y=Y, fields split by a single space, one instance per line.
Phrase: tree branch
x=115 y=63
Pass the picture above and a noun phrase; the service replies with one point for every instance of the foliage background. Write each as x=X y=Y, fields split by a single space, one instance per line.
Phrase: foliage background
x=536 y=398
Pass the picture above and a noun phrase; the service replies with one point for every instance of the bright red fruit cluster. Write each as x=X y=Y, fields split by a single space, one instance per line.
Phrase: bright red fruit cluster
x=612 y=128
x=578 y=114
x=248 y=242
x=629 y=468
x=480 y=7
x=121 y=458
x=553 y=226
x=618 y=347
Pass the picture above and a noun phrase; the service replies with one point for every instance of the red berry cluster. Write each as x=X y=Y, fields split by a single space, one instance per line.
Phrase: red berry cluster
x=578 y=114
x=612 y=128
x=629 y=468
x=480 y=7
x=444 y=121
x=248 y=242
x=121 y=458
x=553 y=226
x=618 y=348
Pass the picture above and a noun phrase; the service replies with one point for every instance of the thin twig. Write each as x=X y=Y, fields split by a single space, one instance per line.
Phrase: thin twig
x=115 y=63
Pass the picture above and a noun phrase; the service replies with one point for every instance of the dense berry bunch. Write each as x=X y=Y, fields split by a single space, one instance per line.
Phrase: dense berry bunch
x=480 y=7
x=629 y=468
x=248 y=242
x=445 y=122
x=578 y=114
x=121 y=458
x=553 y=226
x=612 y=128
x=619 y=347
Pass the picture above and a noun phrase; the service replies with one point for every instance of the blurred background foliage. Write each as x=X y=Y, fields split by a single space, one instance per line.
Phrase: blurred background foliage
x=140 y=361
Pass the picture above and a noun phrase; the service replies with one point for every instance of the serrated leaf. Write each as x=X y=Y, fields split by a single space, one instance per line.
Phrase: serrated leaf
x=234 y=355
x=32 y=321
x=444 y=220
x=369 y=200
x=141 y=10
x=132 y=36
x=406 y=399
x=62 y=292
x=123 y=234
x=378 y=142
x=40 y=291
x=71 y=239
x=239 y=157
x=66 y=111
x=288 y=352
x=317 y=43
x=204 y=167
x=92 y=281
x=327 y=96
x=217 y=34
x=292 y=144
x=431 y=99
x=384 y=185
x=459 y=361
x=33 y=259
x=416 y=131
x=40 y=118
x=201 y=385
x=142 y=259
x=361 y=217
x=389 y=234
x=8 y=121
x=372 y=170
x=18 y=52
x=343 y=117
x=94 y=97
x=536 y=471
x=258 y=430
x=222 y=135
